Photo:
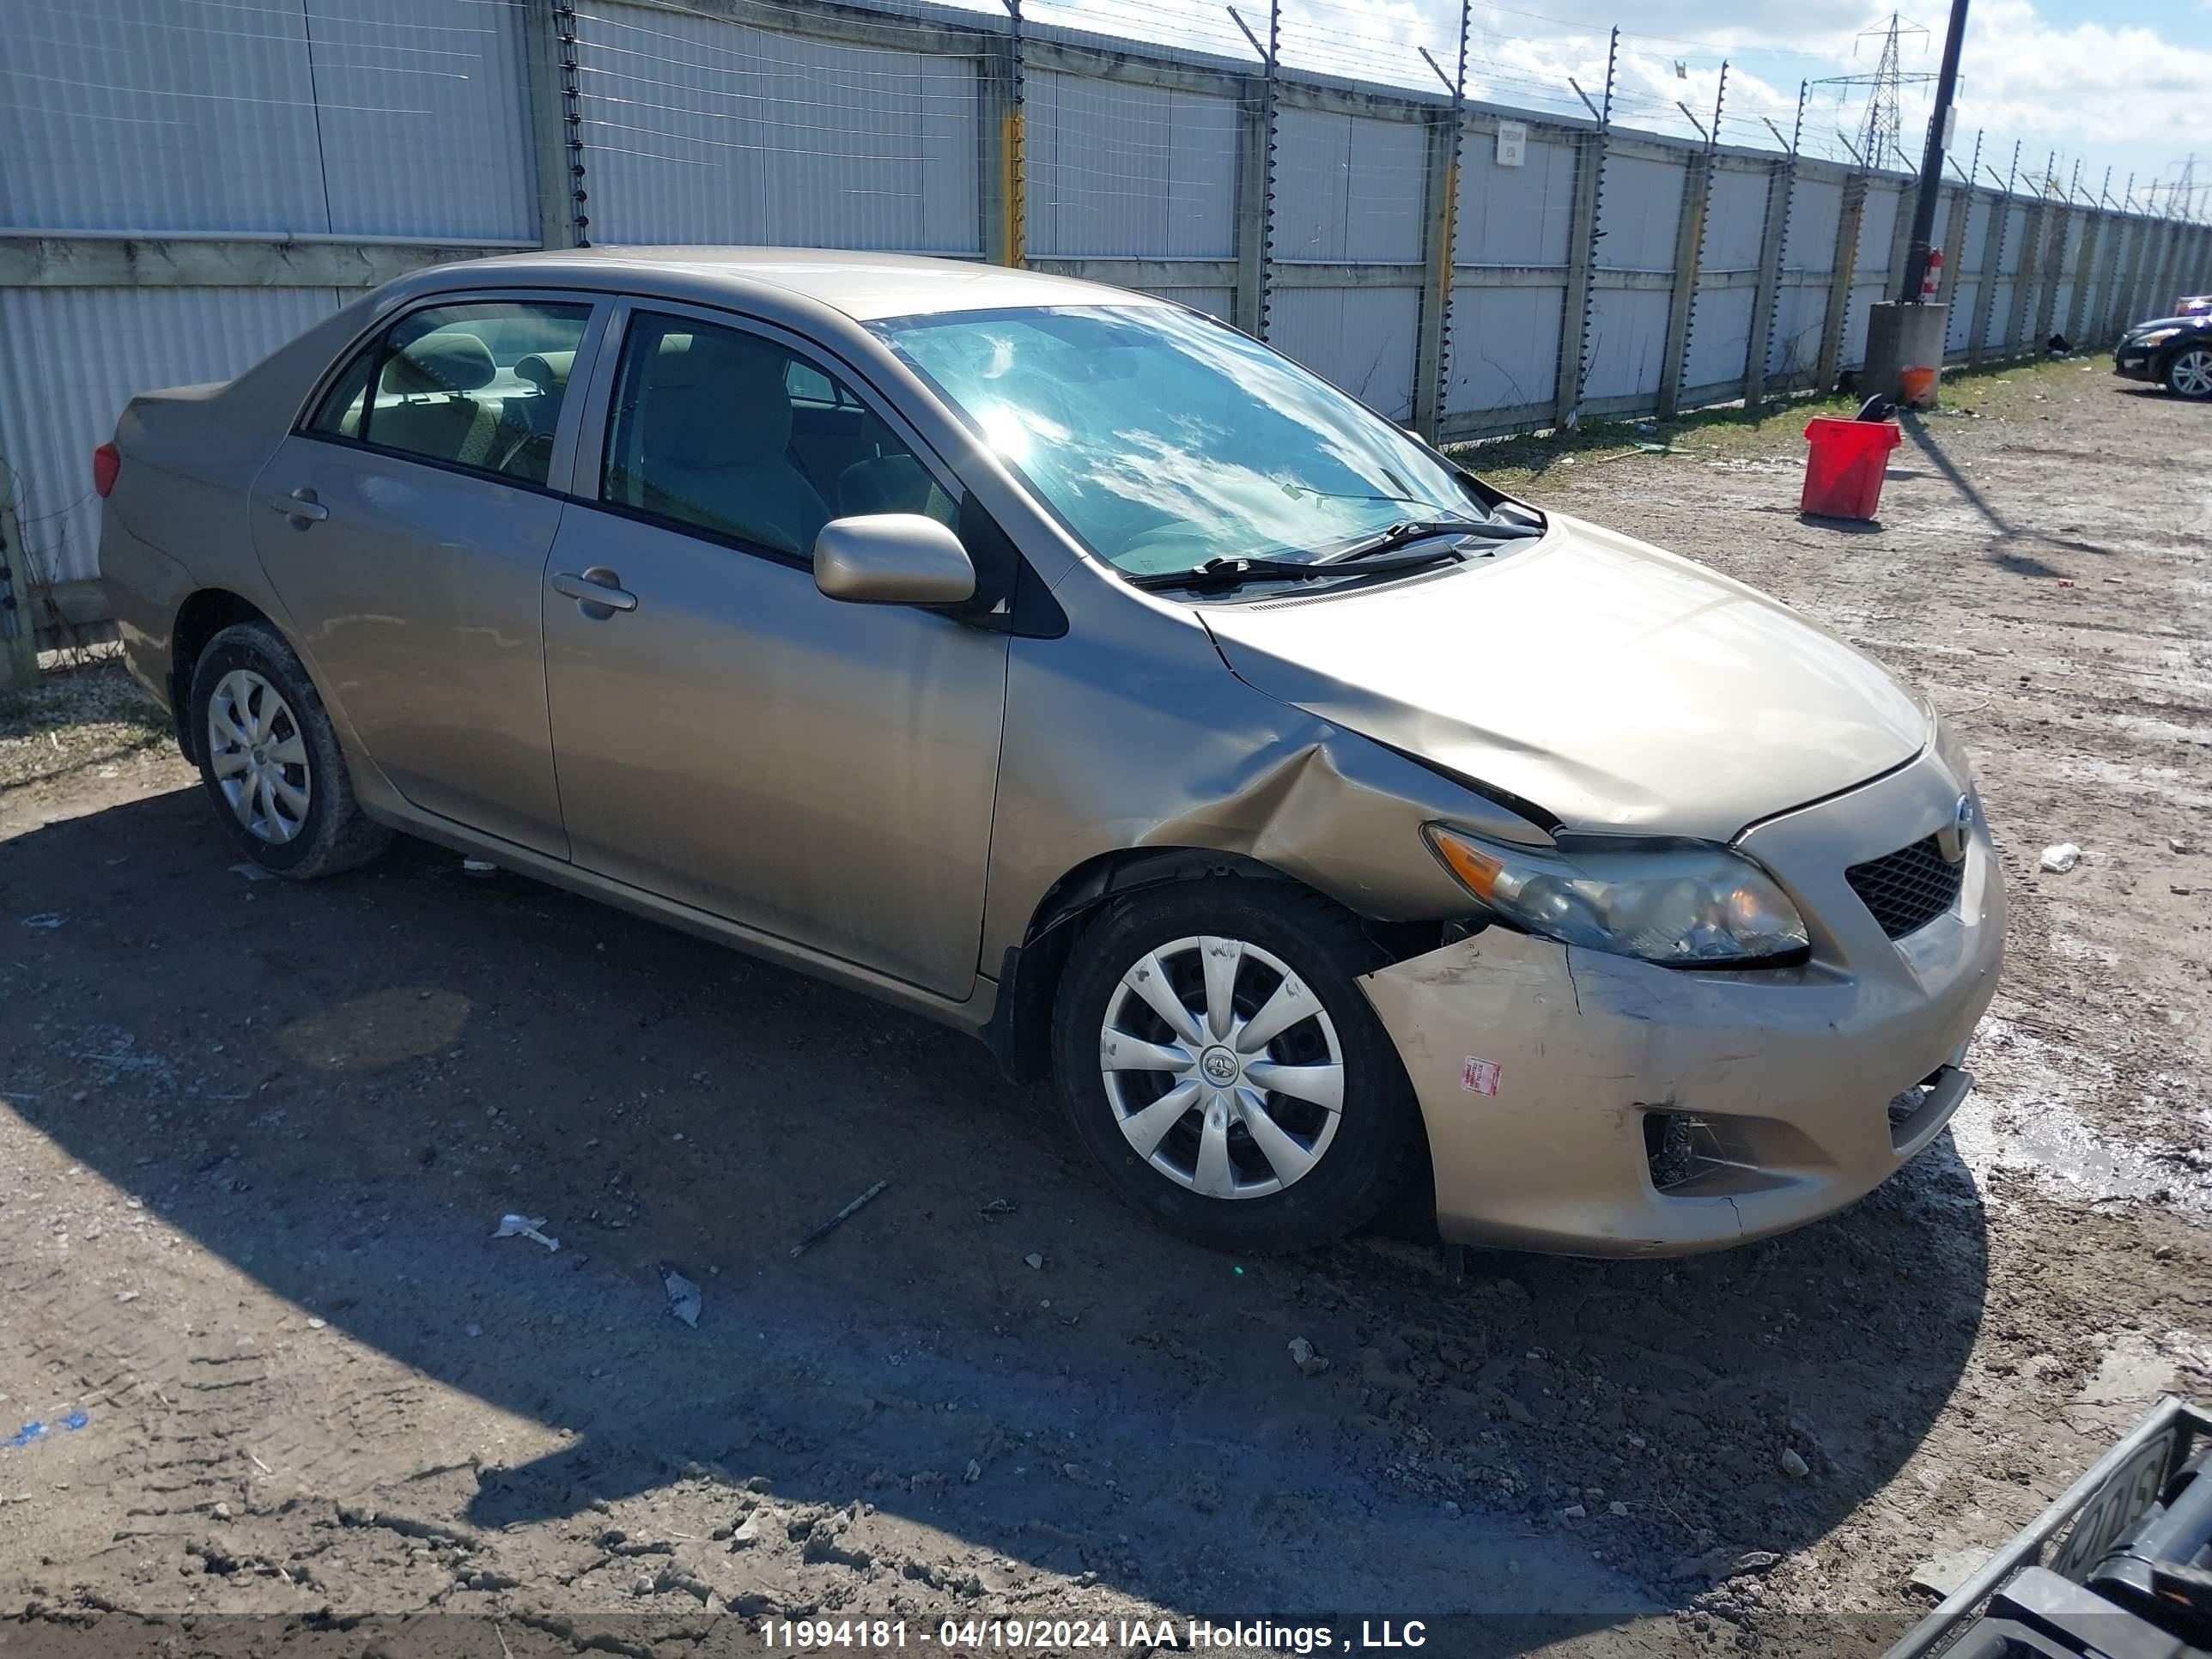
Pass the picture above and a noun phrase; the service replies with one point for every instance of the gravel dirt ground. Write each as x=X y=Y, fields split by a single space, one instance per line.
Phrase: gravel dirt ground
x=255 y=1140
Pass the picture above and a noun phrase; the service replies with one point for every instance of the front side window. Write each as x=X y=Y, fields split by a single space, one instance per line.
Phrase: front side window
x=479 y=386
x=720 y=430
x=1162 y=438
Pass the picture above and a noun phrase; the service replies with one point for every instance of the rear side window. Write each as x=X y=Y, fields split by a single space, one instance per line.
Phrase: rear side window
x=718 y=430
x=476 y=386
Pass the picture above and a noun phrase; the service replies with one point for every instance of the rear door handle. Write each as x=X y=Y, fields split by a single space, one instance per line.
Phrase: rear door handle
x=300 y=506
x=598 y=591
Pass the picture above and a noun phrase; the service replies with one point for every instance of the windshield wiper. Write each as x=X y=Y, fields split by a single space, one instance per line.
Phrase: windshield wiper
x=1419 y=529
x=1227 y=573
x=1233 y=573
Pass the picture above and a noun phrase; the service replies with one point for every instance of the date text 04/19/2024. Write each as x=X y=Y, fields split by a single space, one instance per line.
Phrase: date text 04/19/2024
x=1021 y=1635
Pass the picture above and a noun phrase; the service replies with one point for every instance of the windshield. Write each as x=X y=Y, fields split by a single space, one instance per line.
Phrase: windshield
x=1164 y=439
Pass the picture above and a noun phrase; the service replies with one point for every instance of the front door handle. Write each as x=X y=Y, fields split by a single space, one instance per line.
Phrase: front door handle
x=598 y=593
x=300 y=507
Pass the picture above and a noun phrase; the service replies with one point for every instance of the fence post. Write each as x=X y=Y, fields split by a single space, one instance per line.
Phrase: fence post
x=2021 y=325
x=1440 y=232
x=1682 y=300
x=1992 y=273
x=1781 y=186
x=1849 y=220
x=2111 y=230
x=556 y=119
x=1581 y=256
x=1957 y=225
x=1004 y=197
x=1447 y=131
x=2054 y=259
x=1689 y=259
x=1255 y=182
x=2085 y=268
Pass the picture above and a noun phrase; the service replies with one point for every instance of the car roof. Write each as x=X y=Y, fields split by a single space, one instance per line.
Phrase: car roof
x=863 y=286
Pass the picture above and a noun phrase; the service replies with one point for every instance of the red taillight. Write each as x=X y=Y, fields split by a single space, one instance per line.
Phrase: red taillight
x=107 y=462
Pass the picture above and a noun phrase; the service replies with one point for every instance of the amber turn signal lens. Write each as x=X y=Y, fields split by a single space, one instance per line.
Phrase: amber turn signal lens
x=1476 y=868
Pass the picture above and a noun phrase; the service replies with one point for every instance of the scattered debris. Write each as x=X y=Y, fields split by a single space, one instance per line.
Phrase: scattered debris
x=479 y=867
x=837 y=1220
x=2061 y=858
x=1307 y=1359
x=974 y=1472
x=747 y=1532
x=1573 y=1512
x=685 y=1300
x=46 y=921
x=1792 y=1465
x=523 y=1226
x=1035 y=1261
x=252 y=873
x=2176 y=844
x=998 y=1206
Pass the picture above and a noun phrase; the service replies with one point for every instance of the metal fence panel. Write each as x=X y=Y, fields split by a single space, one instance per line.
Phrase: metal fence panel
x=1504 y=348
x=79 y=354
x=1348 y=187
x=1627 y=342
x=421 y=120
x=1362 y=338
x=1641 y=207
x=1514 y=215
x=401 y=119
x=2015 y=238
x=188 y=119
x=1117 y=168
x=1735 y=215
x=698 y=130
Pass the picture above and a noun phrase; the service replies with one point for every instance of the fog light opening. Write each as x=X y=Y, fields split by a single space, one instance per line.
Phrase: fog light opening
x=1679 y=1147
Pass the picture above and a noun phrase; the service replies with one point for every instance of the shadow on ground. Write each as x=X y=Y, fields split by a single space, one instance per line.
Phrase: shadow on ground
x=339 y=1088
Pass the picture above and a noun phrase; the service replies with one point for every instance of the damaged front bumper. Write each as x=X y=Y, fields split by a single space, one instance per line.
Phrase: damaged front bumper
x=1593 y=1105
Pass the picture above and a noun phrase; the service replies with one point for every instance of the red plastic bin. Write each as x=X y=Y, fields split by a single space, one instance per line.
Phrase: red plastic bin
x=1843 y=468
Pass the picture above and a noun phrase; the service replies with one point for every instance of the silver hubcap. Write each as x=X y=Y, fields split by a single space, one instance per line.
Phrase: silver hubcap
x=1223 y=1068
x=259 y=756
x=2193 y=373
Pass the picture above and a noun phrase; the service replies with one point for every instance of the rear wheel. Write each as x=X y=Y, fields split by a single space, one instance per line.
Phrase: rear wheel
x=2189 y=373
x=271 y=761
x=1216 y=1058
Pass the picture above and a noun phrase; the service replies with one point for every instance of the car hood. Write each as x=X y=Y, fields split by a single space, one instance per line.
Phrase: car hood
x=2194 y=320
x=1611 y=683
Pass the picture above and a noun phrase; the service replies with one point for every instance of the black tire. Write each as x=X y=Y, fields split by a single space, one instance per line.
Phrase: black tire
x=333 y=834
x=2189 y=372
x=1361 y=1167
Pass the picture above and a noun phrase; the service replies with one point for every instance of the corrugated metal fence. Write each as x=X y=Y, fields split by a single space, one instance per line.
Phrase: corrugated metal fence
x=184 y=184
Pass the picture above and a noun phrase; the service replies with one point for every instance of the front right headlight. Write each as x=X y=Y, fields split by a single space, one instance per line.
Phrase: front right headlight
x=1681 y=904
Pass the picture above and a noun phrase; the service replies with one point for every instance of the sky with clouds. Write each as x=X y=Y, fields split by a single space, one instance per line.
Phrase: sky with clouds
x=2104 y=85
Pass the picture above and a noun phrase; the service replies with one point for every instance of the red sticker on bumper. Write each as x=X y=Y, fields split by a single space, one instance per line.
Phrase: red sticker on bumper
x=1480 y=1076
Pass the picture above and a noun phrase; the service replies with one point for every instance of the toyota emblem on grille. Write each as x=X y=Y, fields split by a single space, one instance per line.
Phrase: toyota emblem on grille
x=1951 y=839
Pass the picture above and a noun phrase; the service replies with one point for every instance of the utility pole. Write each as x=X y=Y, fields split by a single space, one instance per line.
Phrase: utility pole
x=1931 y=159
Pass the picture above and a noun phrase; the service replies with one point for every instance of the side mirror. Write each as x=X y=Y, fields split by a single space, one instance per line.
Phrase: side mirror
x=892 y=558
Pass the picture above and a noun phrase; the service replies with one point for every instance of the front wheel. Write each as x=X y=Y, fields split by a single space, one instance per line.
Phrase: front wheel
x=271 y=761
x=1215 y=1056
x=2190 y=373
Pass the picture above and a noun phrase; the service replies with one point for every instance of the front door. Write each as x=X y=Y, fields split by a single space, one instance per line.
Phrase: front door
x=725 y=735
x=406 y=532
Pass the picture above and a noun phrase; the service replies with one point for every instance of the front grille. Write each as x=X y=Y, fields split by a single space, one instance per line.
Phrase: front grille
x=1908 y=889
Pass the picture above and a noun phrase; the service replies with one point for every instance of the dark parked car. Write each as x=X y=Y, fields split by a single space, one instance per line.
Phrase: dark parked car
x=2176 y=352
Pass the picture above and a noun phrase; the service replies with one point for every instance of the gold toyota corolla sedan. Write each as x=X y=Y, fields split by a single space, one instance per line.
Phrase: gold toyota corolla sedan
x=1063 y=664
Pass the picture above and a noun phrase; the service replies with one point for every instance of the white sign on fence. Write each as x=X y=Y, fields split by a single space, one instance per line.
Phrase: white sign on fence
x=1512 y=143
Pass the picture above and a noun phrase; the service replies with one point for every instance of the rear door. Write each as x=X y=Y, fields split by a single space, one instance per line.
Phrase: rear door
x=406 y=530
x=725 y=735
